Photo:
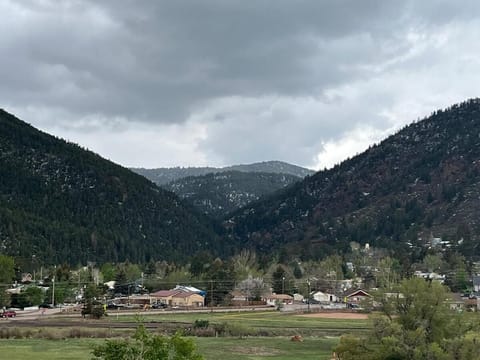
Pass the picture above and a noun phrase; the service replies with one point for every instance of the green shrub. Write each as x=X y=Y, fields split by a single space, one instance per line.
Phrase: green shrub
x=201 y=324
x=233 y=329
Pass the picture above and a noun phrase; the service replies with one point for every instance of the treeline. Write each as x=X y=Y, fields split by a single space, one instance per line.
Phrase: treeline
x=362 y=266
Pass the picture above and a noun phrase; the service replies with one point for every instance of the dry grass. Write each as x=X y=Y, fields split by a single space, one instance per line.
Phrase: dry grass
x=337 y=315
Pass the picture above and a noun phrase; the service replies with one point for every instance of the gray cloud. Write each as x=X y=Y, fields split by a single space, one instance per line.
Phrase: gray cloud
x=259 y=80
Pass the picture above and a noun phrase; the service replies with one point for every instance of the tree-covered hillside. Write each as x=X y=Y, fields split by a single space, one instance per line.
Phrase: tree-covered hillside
x=61 y=203
x=414 y=188
x=218 y=194
x=162 y=176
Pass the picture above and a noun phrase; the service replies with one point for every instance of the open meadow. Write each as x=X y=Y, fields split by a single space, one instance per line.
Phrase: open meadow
x=263 y=322
x=248 y=335
x=277 y=348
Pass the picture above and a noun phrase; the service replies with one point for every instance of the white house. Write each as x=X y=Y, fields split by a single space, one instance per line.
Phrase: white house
x=324 y=297
x=274 y=299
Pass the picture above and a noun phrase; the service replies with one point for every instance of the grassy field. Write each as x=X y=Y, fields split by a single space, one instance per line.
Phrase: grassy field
x=38 y=349
x=271 y=320
x=278 y=348
x=320 y=335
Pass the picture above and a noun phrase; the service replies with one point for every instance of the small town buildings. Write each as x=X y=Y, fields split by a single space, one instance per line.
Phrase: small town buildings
x=275 y=299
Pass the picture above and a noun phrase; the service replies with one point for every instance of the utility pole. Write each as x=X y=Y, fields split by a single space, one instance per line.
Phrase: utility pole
x=53 y=286
x=211 y=294
x=308 y=296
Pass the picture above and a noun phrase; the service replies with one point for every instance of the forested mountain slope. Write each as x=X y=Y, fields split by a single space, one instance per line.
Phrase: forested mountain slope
x=218 y=194
x=419 y=184
x=61 y=203
x=163 y=176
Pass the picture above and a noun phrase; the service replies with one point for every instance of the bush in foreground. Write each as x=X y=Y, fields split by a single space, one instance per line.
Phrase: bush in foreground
x=146 y=346
x=416 y=324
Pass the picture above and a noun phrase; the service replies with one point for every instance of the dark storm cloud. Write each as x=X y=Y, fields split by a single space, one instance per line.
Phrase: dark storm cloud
x=232 y=70
x=157 y=60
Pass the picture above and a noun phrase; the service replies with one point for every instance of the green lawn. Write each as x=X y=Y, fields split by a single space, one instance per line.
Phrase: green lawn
x=277 y=348
x=38 y=349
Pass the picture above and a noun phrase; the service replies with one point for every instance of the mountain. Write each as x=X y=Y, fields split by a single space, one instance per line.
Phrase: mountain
x=61 y=203
x=163 y=176
x=404 y=194
x=217 y=194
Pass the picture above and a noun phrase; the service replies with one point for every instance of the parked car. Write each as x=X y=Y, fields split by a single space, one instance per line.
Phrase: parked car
x=112 y=305
x=8 y=314
x=159 y=306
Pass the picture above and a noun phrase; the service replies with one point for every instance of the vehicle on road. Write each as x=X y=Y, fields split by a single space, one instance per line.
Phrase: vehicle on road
x=159 y=306
x=8 y=314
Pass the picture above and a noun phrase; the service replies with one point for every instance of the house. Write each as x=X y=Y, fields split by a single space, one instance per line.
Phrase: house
x=238 y=296
x=456 y=302
x=476 y=284
x=137 y=299
x=356 y=296
x=433 y=276
x=188 y=299
x=275 y=299
x=164 y=296
x=190 y=289
x=27 y=278
x=299 y=298
x=178 y=298
x=324 y=297
x=471 y=304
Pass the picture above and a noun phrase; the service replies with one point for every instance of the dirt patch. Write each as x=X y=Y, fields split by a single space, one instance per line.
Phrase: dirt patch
x=337 y=315
x=255 y=350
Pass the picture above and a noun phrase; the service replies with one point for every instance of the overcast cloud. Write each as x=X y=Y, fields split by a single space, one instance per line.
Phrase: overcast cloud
x=218 y=82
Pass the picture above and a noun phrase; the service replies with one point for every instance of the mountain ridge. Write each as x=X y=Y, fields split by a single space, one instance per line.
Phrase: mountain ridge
x=61 y=203
x=420 y=182
x=162 y=176
x=217 y=194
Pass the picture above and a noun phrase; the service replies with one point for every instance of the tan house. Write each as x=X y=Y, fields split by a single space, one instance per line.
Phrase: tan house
x=178 y=298
x=188 y=299
x=164 y=296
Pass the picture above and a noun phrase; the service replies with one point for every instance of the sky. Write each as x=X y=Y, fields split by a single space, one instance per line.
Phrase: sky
x=220 y=82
